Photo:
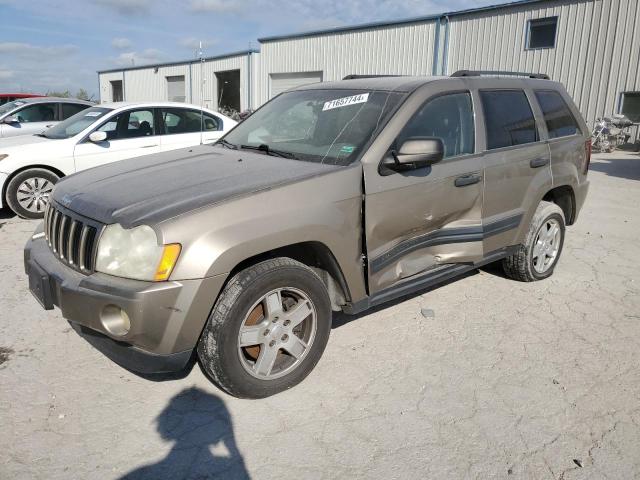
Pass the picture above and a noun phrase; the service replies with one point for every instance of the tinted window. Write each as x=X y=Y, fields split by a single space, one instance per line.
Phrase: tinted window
x=69 y=109
x=542 y=33
x=131 y=124
x=180 y=120
x=557 y=116
x=450 y=118
x=40 y=112
x=508 y=118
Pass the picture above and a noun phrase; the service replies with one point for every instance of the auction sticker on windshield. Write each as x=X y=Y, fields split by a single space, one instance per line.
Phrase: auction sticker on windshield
x=345 y=101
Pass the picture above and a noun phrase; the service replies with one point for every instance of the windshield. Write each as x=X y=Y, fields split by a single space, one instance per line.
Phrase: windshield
x=326 y=126
x=7 y=107
x=76 y=123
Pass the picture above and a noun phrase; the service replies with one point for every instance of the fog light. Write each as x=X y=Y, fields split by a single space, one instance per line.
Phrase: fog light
x=115 y=320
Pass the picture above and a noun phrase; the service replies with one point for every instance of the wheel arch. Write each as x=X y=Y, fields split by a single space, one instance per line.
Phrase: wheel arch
x=317 y=256
x=54 y=170
x=563 y=196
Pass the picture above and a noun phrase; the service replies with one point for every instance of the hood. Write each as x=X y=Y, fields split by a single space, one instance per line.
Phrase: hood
x=21 y=140
x=153 y=188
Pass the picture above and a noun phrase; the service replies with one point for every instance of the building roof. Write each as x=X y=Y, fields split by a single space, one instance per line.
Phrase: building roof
x=180 y=62
x=392 y=23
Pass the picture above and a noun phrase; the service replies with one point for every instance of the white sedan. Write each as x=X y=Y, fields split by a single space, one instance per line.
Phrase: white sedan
x=31 y=165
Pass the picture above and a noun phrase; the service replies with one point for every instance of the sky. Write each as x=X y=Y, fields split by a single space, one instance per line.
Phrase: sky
x=57 y=45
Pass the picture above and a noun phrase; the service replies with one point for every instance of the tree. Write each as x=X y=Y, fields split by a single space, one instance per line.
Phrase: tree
x=81 y=94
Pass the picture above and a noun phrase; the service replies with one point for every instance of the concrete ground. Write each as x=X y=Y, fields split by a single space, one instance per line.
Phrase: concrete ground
x=481 y=378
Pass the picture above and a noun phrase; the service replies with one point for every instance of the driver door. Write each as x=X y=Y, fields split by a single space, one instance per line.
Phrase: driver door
x=129 y=134
x=420 y=220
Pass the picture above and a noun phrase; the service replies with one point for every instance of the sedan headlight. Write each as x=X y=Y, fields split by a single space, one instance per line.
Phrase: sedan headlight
x=135 y=254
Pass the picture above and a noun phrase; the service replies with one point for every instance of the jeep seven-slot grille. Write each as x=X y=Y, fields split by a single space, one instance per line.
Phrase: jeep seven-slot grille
x=70 y=238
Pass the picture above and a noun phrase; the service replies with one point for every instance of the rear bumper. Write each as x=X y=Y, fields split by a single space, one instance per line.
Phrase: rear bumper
x=166 y=318
x=580 y=193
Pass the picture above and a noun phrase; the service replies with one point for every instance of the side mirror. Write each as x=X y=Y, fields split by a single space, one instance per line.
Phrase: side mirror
x=10 y=119
x=97 y=137
x=416 y=152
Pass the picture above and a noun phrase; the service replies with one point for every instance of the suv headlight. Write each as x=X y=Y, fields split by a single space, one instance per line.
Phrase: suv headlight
x=135 y=254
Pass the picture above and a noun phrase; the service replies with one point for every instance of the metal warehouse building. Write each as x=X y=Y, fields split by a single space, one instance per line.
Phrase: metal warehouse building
x=592 y=46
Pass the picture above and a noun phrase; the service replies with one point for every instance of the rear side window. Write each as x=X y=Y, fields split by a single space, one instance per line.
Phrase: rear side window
x=447 y=117
x=560 y=122
x=69 y=109
x=180 y=120
x=508 y=118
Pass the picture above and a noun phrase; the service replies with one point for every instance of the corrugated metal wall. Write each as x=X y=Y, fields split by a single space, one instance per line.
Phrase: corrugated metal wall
x=403 y=49
x=147 y=84
x=597 y=53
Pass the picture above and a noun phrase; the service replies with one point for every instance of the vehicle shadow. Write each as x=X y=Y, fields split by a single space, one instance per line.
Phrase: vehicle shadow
x=340 y=319
x=613 y=165
x=6 y=214
x=204 y=446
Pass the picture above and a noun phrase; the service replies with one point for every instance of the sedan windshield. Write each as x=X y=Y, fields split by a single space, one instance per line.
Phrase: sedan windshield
x=76 y=123
x=326 y=126
x=7 y=107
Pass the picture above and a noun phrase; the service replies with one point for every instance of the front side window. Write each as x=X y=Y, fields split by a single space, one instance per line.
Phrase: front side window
x=449 y=118
x=76 y=123
x=130 y=124
x=508 y=118
x=326 y=126
x=560 y=122
x=542 y=32
x=39 y=112
x=7 y=107
x=70 y=109
x=181 y=120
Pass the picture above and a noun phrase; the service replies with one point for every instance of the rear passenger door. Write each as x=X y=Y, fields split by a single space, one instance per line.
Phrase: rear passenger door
x=182 y=127
x=129 y=134
x=516 y=165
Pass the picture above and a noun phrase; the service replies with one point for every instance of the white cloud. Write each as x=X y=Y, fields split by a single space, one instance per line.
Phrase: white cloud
x=121 y=43
x=126 y=7
x=216 y=6
x=6 y=74
x=128 y=59
x=35 y=52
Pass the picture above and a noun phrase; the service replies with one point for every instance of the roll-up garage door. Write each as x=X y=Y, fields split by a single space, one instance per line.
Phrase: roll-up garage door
x=281 y=82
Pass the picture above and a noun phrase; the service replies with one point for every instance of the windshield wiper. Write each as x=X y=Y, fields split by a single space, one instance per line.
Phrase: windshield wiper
x=263 y=147
x=227 y=144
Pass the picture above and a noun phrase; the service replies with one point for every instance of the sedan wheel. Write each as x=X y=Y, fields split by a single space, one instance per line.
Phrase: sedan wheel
x=28 y=192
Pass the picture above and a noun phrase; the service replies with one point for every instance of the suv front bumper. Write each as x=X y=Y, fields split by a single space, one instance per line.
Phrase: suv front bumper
x=166 y=318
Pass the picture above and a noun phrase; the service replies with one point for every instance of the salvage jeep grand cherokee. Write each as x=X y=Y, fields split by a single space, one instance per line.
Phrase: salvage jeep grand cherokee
x=333 y=196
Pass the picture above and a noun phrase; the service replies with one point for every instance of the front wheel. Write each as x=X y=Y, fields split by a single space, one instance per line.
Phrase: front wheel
x=538 y=256
x=267 y=330
x=28 y=192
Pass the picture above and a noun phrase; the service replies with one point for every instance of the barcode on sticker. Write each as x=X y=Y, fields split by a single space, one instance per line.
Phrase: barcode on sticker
x=345 y=101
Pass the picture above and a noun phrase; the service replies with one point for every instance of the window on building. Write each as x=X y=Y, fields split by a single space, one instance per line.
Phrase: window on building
x=542 y=32
x=40 y=112
x=448 y=117
x=559 y=119
x=508 y=118
x=175 y=89
x=630 y=106
x=181 y=120
x=131 y=124
x=69 y=109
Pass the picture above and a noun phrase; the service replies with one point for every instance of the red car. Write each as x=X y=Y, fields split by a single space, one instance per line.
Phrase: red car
x=10 y=97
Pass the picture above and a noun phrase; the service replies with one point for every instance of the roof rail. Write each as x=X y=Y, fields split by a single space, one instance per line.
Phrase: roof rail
x=479 y=73
x=355 y=77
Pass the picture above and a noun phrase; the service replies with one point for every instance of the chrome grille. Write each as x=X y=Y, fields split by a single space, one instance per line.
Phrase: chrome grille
x=71 y=238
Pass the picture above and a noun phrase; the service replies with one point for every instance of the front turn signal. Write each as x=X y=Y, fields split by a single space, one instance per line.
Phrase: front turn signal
x=168 y=260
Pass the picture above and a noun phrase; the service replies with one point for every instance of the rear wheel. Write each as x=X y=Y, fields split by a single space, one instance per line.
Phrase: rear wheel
x=28 y=192
x=538 y=256
x=267 y=330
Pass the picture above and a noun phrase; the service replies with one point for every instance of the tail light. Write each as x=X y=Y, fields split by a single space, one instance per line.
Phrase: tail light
x=587 y=156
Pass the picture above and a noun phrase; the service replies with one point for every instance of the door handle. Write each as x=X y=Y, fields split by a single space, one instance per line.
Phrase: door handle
x=538 y=162
x=467 y=180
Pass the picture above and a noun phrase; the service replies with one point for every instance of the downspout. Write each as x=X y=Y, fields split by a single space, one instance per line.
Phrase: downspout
x=445 y=50
x=436 y=48
x=248 y=80
x=190 y=84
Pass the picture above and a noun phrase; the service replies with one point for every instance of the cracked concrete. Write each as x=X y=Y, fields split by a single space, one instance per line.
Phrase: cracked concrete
x=500 y=380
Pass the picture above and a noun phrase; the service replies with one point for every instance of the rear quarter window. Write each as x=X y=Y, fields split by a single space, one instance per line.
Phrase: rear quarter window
x=557 y=115
x=508 y=117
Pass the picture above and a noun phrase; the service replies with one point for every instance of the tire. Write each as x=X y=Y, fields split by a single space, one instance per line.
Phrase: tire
x=40 y=179
x=524 y=265
x=242 y=371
